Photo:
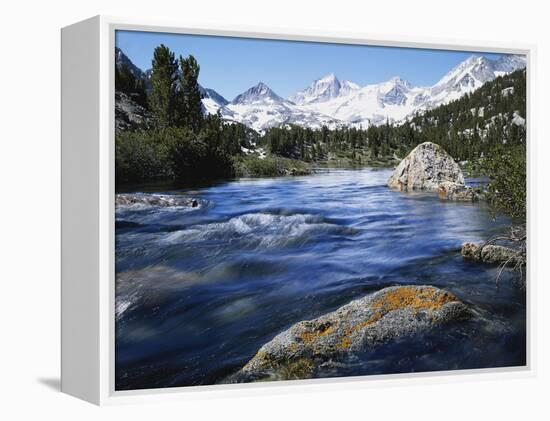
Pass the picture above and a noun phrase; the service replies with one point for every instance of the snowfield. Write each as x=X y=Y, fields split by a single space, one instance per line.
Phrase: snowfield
x=334 y=103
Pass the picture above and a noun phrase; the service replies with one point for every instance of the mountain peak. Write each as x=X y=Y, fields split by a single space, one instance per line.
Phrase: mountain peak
x=468 y=75
x=122 y=60
x=347 y=87
x=258 y=93
x=324 y=89
x=330 y=77
x=475 y=63
x=475 y=58
x=510 y=62
x=399 y=81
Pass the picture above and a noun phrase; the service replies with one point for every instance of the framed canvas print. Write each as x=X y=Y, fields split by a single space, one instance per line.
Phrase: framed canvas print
x=247 y=209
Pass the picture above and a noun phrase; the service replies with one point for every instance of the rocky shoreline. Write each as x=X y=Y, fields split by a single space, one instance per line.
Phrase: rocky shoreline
x=490 y=253
x=430 y=168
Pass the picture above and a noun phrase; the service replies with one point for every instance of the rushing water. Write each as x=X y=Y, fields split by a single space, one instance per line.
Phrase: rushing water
x=199 y=290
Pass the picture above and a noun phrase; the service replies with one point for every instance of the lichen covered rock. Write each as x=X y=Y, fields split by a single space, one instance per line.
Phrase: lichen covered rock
x=385 y=315
x=453 y=191
x=489 y=253
x=425 y=168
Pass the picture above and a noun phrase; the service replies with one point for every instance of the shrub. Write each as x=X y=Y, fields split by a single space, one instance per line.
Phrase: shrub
x=507 y=189
x=139 y=156
x=169 y=153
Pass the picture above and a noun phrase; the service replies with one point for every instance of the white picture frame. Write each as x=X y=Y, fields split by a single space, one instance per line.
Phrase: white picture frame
x=88 y=211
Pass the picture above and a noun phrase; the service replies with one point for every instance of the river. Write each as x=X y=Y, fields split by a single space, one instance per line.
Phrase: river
x=200 y=290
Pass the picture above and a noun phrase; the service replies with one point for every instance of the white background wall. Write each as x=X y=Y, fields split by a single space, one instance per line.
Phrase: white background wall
x=29 y=230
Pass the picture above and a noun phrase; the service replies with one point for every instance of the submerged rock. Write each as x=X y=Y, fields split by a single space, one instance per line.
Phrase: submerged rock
x=385 y=315
x=162 y=200
x=425 y=168
x=490 y=253
x=453 y=191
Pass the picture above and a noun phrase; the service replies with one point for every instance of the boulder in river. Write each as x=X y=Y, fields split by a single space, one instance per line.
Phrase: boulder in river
x=359 y=325
x=425 y=168
x=490 y=253
x=161 y=200
x=459 y=192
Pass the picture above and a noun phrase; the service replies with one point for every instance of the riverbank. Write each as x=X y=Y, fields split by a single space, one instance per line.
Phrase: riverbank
x=254 y=166
x=271 y=165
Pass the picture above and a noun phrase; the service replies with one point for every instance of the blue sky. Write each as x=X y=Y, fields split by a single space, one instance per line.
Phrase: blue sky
x=232 y=65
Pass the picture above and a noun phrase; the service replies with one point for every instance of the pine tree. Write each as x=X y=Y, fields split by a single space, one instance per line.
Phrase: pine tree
x=163 y=97
x=192 y=115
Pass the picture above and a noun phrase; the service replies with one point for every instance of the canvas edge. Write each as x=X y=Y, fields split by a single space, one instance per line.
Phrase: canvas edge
x=80 y=336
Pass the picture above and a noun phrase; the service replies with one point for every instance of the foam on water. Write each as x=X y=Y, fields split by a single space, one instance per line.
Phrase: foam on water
x=261 y=229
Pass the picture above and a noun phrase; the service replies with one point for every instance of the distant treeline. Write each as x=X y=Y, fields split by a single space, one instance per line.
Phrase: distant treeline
x=468 y=128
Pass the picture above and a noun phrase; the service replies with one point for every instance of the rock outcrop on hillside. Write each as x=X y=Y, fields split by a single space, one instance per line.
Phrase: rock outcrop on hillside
x=130 y=115
x=359 y=325
x=425 y=168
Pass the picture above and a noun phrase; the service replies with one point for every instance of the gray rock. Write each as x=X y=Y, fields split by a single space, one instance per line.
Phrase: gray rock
x=129 y=115
x=425 y=168
x=490 y=253
x=361 y=324
x=453 y=191
x=161 y=200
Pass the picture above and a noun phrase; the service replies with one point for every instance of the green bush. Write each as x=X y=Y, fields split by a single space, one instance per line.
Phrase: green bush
x=507 y=189
x=169 y=153
x=140 y=156
x=196 y=156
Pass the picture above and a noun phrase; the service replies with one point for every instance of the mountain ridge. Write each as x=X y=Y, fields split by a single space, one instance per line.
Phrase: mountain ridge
x=329 y=101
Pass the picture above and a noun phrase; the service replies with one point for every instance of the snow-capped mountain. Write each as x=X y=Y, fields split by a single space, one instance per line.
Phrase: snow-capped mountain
x=333 y=102
x=122 y=60
x=396 y=99
x=211 y=100
x=260 y=108
x=347 y=87
x=258 y=94
x=324 y=89
x=466 y=77
x=372 y=104
x=510 y=62
x=471 y=74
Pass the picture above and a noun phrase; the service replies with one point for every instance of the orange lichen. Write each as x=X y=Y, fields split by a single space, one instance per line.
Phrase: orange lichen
x=345 y=342
x=301 y=368
x=424 y=299
x=311 y=336
x=261 y=358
